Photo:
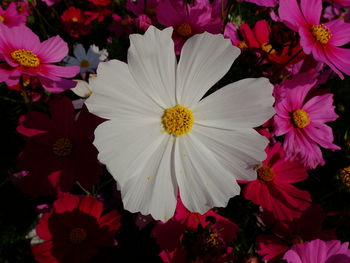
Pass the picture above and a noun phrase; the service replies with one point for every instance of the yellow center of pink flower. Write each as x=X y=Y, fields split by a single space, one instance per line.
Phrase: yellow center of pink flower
x=184 y=30
x=321 y=33
x=2 y=19
x=25 y=58
x=267 y=48
x=265 y=174
x=177 y=120
x=62 y=147
x=84 y=63
x=300 y=118
x=77 y=235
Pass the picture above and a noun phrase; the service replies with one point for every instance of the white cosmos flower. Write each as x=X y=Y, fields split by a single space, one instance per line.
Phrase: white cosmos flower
x=218 y=145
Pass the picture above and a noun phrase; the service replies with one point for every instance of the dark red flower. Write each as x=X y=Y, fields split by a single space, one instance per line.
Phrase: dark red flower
x=74 y=22
x=59 y=151
x=192 y=237
x=74 y=230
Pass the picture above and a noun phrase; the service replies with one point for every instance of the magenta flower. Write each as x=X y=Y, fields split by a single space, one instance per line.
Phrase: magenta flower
x=10 y=17
x=273 y=189
x=320 y=40
x=318 y=251
x=187 y=20
x=22 y=53
x=302 y=121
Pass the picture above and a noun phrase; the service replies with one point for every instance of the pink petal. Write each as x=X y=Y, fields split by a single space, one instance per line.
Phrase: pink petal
x=340 y=57
x=290 y=13
x=262 y=31
x=249 y=36
x=53 y=50
x=312 y=10
x=340 y=32
x=320 y=108
x=282 y=125
x=321 y=134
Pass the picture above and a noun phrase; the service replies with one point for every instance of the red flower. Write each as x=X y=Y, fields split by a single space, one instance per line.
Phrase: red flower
x=259 y=38
x=273 y=188
x=285 y=234
x=101 y=2
x=74 y=230
x=192 y=237
x=74 y=22
x=59 y=151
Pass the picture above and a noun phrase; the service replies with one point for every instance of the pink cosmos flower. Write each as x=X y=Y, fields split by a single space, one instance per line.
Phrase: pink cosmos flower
x=74 y=230
x=187 y=20
x=273 y=190
x=302 y=121
x=308 y=227
x=59 y=151
x=320 y=40
x=10 y=17
x=22 y=53
x=318 y=251
x=192 y=237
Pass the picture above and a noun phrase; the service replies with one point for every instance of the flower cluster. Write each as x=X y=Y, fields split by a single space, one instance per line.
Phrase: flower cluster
x=202 y=131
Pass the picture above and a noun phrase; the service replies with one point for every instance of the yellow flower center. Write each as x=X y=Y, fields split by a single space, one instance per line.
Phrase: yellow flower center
x=267 y=48
x=2 y=19
x=242 y=45
x=62 y=147
x=321 y=33
x=184 y=30
x=77 y=235
x=296 y=239
x=25 y=58
x=344 y=175
x=212 y=240
x=177 y=120
x=84 y=63
x=265 y=174
x=75 y=19
x=300 y=118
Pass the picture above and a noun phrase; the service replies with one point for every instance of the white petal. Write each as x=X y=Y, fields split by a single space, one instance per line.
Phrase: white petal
x=82 y=89
x=243 y=104
x=152 y=63
x=79 y=52
x=237 y=151
x=204 y=60
x=116 y=95
x=152 y=189
x=138 y=155
x=203 y=181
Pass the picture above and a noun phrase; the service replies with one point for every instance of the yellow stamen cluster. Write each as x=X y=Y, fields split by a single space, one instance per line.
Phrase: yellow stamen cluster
x=77 y=235
x=184 y=30
x=321 y=33
x=25 y=58
x=242 y=45
x=75 y=19
x=344 y=176
x=267 y=48
x=62 y=147
x=2 y=19
x=212 y=240
x=265 y=174
x=84 y=63
x=300 y=118
x=177 y=120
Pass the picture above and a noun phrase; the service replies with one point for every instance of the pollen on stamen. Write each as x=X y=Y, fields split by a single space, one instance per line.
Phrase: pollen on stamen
x=25 y=58
x=177 y=120
x=184 y=30
x=300 y=118
x=321 y=33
